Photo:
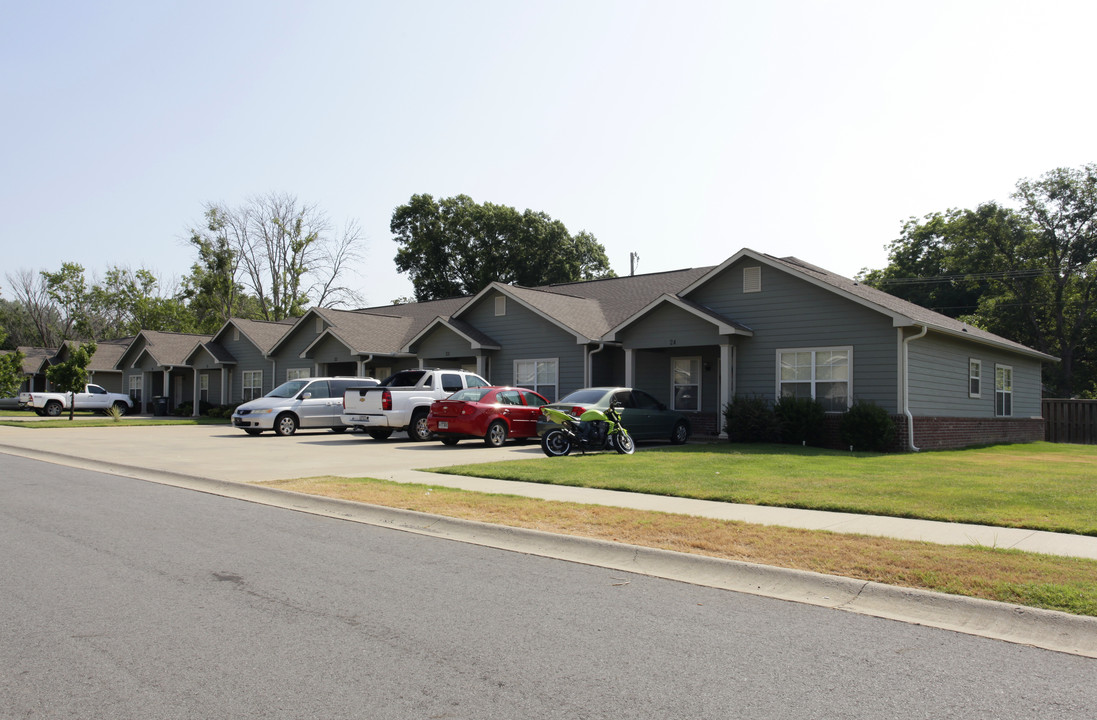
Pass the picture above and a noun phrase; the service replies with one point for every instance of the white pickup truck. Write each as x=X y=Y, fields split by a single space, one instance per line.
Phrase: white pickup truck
x=402 y=401
x=94 y=397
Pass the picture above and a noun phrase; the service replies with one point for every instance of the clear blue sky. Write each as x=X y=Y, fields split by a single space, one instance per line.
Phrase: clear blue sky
x=679 y=130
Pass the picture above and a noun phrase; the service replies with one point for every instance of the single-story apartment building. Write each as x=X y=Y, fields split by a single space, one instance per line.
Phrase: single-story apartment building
x=754 y=325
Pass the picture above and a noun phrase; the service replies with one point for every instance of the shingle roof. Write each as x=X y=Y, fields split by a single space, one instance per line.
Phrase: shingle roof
x=35 y=357
x=592 y=307
x=167 y=348
x=366 y=332
x=108 y=353
x=264 y=334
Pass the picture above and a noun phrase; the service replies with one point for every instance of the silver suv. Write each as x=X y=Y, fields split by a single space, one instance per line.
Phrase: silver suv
x=305 y=403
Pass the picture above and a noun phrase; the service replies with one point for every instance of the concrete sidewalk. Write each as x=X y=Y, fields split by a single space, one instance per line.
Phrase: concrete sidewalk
x=224 y=453
x=222 y=461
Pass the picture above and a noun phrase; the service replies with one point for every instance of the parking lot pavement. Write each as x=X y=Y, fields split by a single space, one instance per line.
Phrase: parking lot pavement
x=225 y=453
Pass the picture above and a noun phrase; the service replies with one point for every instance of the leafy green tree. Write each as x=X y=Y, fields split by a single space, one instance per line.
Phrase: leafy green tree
x=455 y=246
x=71 y=375
x=11 y=369
x=1029 y=274
x=69 y=290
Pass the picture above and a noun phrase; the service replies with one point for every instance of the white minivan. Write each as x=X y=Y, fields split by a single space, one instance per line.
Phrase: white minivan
x=305 y=403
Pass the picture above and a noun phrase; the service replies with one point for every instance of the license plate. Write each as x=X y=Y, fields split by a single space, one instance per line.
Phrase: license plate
x=443 y=425
x=360 y=418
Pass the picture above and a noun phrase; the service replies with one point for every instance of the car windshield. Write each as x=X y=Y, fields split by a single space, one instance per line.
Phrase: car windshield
x=288 y=389
x=590 y=396
x=470 y=395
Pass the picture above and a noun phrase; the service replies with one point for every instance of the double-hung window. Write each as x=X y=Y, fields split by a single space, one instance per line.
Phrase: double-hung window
x=686 y=381
x=1003 y=390
x=974 y=378
x=541 y=376
x=253 y=384
x=203 y=387
x=818 y=373
x=136 y=383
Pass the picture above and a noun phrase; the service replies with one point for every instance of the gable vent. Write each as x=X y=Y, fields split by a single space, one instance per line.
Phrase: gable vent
x=752 y=279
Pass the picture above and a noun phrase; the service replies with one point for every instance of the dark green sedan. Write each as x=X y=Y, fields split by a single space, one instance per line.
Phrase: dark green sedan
x=643 y=416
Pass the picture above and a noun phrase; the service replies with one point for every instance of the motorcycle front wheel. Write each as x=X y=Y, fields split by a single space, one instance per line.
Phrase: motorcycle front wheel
x=555 y=443
x=622 y=443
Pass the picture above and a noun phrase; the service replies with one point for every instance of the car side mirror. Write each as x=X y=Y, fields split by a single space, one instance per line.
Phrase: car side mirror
x=305 y=395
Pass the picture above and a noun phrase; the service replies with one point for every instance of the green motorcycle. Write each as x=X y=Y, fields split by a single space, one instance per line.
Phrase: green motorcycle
x=591 y=432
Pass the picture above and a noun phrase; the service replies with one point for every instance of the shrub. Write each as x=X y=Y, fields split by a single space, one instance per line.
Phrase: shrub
x=866 y=426
x=183 y=409
x=751 y=419
x=800 y=419
x=221 y=411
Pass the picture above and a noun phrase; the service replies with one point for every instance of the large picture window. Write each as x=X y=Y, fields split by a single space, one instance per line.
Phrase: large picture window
x=1003 y=391
x=253 y=384
x=686 y=381
x=541 y=376
x=818 y=373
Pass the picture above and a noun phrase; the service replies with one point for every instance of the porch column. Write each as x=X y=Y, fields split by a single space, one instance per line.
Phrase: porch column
x=630 y=366
x=727 y=384
x=194 y=411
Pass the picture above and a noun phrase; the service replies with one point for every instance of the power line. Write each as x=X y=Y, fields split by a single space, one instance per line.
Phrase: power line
x=999 y=275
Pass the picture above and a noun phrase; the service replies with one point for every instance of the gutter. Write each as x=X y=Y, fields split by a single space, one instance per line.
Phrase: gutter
x=587 y=370
x=906 y=387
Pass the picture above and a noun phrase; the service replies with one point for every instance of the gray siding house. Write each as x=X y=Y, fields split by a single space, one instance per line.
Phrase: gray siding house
x=155 y=365
x=235 y=364
x=695 y=339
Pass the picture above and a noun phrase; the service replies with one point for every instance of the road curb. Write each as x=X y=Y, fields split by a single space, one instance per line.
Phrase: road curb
x=1051 y=630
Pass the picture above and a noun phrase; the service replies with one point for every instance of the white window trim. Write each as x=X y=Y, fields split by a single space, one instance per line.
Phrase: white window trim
x=245 y=384
x=674 y=386
x=998 y=392
x=535 y=385
x=976 y=376
x=139 y=387
x=297 y=374
x=848 y=349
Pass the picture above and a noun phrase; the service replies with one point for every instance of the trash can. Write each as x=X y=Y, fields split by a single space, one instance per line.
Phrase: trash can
x=160 y=406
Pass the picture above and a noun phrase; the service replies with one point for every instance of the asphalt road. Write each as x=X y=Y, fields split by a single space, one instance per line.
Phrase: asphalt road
x=126 y=599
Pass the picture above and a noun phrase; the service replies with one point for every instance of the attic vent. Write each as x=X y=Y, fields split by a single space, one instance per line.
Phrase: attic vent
x=752 y=279
x=319 y=325
x=501 y=305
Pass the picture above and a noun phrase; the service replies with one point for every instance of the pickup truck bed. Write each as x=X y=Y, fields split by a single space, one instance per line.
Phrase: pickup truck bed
x=402 y=401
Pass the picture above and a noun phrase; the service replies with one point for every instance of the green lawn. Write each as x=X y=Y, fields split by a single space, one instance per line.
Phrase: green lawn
x=1041 y=486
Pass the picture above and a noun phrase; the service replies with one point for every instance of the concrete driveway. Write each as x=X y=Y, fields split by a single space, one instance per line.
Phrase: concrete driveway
x=224 y=453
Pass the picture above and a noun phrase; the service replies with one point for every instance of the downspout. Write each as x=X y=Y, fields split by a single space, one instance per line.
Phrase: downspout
x=588 y=370
x=362 y=362
x=906 y=387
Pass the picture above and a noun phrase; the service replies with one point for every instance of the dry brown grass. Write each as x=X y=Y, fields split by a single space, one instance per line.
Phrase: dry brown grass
x=1025 y=578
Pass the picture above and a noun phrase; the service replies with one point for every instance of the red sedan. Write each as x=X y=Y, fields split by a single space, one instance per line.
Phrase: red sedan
x=491 y=413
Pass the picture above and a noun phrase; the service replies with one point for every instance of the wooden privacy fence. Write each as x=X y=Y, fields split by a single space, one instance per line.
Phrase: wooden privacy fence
x=1070 y=421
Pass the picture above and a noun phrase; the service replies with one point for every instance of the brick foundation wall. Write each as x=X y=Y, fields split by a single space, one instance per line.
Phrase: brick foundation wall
x=938 y=433
x=705 y=424
x=930 y=433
